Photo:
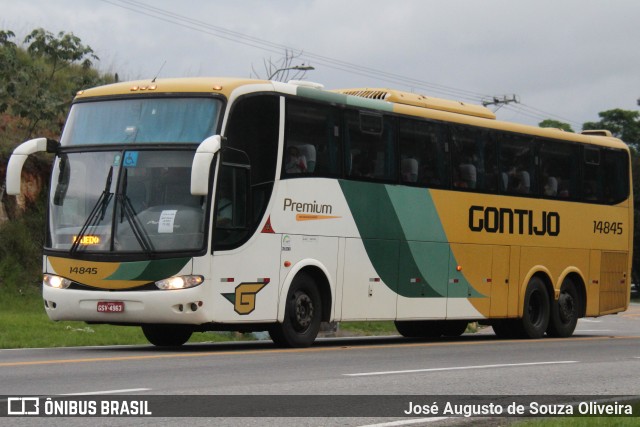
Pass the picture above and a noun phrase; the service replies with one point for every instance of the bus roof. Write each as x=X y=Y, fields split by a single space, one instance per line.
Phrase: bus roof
x=213 y=85
x=383 y=99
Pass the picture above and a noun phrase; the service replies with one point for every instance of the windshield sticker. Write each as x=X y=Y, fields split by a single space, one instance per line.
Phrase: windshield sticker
x=165 y=223
x=130 y=159
x=116 y=160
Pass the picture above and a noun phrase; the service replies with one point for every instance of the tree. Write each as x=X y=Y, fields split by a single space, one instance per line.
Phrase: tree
x=550 y=123
x=623 y=124
x=283 y=69
x=37 y=83
x=59 y=51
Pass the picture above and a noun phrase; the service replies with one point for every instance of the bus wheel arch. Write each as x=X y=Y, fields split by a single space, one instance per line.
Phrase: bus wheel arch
x=324 y=287
x=305 y=305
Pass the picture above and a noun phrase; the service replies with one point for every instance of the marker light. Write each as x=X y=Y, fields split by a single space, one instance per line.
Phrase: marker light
x=54 y=281
x=179 y=282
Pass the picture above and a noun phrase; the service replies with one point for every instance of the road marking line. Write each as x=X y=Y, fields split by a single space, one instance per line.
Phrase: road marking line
x=91 y=393
x=267 y=351
x=407 y=422
x=459 y=368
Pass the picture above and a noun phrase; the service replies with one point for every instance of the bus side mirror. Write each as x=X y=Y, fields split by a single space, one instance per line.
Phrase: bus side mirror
x=19 y=156
x=202 y=165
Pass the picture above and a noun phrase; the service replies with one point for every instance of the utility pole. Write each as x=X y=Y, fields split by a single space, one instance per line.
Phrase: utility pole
x=499 y=101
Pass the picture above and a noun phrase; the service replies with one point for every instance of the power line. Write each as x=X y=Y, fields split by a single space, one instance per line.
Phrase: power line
x=333 y=63
x=174 y=18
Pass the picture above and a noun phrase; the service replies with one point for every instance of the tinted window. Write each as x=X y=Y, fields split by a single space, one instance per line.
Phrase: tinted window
x=517 y=164
x=559 y=171
x=606 y=175
x=593 y=179
x=473 y=159
x=616 y=176
x=369 y=147
x=312 y=142
x=253 y=129
x=423 y=159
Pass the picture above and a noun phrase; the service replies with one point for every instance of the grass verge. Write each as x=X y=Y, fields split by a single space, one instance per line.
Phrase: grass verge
x=26 y=325
x=586 y=420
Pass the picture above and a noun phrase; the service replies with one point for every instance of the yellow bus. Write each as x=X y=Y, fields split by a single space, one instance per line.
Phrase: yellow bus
x=198 y=204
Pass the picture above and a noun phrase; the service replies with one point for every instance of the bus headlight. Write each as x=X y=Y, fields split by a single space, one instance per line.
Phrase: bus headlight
x=180 y=282
x=54 y=281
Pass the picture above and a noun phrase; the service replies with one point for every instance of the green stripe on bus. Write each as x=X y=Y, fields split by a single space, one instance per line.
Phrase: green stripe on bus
x=405 y=240
x=149 y=270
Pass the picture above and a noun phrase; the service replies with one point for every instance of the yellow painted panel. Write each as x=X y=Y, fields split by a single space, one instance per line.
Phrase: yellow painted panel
x=500 y=281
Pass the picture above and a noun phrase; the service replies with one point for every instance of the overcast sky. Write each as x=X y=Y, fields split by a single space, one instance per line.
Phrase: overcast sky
x=564 y=59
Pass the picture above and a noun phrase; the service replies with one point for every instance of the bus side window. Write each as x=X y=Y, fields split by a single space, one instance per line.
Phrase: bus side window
x=312 y=140
x=370 y=148
x=616 y=176
x=423 y=160
x=559 y=173
x=473 y=159
x=517 y=163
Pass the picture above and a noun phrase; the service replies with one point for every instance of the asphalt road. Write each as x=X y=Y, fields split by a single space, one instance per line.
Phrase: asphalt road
x=602 y=358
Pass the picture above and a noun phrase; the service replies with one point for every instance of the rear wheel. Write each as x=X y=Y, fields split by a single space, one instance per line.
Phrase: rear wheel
x=536 y=309
x=564 y=312
x=167 y=335
x=302 y=314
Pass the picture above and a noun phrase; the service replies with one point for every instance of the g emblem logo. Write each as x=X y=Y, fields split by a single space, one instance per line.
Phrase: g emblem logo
x=244 y=298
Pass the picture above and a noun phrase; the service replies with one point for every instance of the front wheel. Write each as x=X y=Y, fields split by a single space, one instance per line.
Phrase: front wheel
x=564 y=312
x=419 y=328
x=302 y=314
x=167 y=335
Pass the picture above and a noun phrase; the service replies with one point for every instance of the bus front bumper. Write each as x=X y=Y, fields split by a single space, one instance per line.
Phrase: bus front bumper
x=184 y=306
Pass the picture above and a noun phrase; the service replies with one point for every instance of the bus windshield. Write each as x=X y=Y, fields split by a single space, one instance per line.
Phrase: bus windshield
x=145 y=120
x=125 y=201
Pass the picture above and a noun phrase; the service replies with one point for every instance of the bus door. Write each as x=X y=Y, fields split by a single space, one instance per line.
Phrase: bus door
x=246 y=267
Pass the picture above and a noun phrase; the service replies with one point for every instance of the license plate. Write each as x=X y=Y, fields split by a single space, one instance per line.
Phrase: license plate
x=110 y=306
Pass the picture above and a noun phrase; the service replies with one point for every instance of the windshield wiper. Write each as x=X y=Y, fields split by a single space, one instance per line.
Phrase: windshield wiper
x=97 y=212
x=130 y=214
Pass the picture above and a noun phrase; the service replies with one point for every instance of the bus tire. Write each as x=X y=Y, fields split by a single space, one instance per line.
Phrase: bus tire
x=419 y=328
x=453 y=328
x=564 y=312
x=537 y=309
x=302 y=314
x=166 y=335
